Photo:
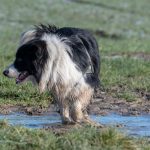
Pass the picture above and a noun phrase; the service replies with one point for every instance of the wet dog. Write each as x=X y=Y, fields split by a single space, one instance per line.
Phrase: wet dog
x=63 y=60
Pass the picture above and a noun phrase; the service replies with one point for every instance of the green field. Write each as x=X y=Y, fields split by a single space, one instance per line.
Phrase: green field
x=125 y=33
x=87 y=138
x=122 y=29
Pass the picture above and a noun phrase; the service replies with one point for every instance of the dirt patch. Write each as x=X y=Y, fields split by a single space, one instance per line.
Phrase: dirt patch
x=102 y=104
x=29 y=110
x=59 y=129
x=98 y=4
x=140 y=55
x=133 y=55
x=104 y=34
x=6 y=109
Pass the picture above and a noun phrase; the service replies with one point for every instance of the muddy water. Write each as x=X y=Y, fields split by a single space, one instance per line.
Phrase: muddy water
x=132 y=125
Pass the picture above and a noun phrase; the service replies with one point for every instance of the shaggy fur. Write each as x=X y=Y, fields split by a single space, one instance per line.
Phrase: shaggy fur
x=65 y=61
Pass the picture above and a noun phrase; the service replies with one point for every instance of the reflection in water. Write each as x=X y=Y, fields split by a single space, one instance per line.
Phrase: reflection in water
x=133 y=125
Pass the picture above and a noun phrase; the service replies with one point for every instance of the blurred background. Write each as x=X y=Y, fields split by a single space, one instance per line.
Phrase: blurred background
x=121 y=27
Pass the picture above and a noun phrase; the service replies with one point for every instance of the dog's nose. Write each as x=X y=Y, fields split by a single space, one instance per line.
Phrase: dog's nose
x=6 y=72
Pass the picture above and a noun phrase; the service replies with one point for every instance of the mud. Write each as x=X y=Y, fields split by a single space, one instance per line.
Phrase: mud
x=102 y=104
x=130 y=117
x=104 y=34
x=134 y=55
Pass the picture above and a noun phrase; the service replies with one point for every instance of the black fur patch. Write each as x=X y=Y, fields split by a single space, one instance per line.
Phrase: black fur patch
x=81 y=43
x=31 y=57
x=41 y=29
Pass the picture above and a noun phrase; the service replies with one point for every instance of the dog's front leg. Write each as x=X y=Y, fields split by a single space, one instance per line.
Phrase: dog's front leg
x=64 y=112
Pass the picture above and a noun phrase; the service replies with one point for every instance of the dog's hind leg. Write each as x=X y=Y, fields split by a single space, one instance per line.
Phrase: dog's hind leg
x=80 y=101
x=79 y=113
x=76 y=112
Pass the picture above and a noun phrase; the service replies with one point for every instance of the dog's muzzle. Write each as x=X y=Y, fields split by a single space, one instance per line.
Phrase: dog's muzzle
x=5 y=73
x=11 y=72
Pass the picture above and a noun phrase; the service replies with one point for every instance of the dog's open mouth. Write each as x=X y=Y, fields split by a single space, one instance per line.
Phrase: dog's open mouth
x=22 y=76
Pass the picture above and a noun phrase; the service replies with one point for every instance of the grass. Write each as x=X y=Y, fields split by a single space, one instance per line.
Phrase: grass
x=128 y=20
x=87 y=138
x=126 y=72
x=122 y=18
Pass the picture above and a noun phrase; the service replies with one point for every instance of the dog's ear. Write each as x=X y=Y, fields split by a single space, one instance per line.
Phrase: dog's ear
x=35 y=49
x=39 y=51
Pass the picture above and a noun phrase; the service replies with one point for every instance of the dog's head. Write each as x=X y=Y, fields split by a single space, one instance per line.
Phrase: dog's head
x=29 y=62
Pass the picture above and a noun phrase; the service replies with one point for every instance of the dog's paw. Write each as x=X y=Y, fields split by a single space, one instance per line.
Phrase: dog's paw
x=67 y=121
x=88 y=121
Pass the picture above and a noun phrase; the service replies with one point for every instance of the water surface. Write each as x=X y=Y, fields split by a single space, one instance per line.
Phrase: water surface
x=132 y=125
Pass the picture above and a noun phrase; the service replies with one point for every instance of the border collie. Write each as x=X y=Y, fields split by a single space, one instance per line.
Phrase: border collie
x=65 y=61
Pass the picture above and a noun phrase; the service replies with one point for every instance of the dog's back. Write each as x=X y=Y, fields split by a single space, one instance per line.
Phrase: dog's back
x=85 y=52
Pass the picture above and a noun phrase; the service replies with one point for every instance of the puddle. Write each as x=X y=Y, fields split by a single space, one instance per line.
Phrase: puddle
x=29 y=121
x=132 y=125
x=138 y=126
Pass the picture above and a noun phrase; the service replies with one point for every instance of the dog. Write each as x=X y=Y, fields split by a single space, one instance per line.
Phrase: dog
x=65 y=61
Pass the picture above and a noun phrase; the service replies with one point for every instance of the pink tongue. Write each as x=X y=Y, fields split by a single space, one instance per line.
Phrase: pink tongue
x=17 y=81
x=21 y=77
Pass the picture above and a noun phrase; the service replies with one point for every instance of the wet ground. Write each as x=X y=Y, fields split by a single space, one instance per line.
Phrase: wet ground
x=132 y=125
x=131 y=117
x=138 y=126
